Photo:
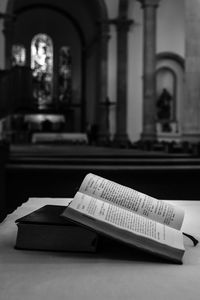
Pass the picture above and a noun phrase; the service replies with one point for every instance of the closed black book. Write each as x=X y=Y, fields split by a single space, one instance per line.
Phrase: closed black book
x=46 y=229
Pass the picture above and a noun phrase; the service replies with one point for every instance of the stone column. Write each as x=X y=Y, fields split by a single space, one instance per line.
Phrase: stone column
x=191 y=101
x=149 y=67
x=8 y=33
x=123 y=25
x=103 y=134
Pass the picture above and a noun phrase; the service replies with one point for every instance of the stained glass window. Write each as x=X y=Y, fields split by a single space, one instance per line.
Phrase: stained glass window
x=65 y=75
x=18 y=55
x=42 y=66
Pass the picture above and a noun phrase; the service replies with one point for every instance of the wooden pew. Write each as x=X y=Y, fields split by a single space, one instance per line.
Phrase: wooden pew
x=57 y=172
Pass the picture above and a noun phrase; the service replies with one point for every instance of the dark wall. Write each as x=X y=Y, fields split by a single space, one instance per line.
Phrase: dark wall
x=4 y=106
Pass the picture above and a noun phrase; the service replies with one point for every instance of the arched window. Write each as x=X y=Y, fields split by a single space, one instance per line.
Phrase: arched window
x=18 y=55
x=42 y=66
x=65 y=75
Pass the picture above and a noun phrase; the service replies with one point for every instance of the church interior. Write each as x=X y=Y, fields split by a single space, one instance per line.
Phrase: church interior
x=110 y=87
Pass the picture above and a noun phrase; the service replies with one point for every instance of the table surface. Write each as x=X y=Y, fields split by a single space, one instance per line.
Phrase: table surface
x=40 y=275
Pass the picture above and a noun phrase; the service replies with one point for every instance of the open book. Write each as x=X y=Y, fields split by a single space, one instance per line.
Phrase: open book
x=129 y=216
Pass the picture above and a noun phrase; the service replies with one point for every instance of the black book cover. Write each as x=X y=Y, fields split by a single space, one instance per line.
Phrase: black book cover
x=46 y=229
x=48 y=214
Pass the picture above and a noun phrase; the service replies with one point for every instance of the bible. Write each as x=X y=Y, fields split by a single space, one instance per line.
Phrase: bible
x=45 y=229
x=128 y=216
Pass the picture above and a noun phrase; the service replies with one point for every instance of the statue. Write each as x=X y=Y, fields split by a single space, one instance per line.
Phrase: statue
x=164 y=106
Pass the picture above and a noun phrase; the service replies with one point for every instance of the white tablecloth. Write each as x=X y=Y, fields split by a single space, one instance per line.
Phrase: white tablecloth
x=37 y=275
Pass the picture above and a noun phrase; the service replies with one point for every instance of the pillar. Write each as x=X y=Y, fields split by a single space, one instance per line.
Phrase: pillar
x=149 y=68
x=123 y=25
x=101 y=117
x=8 y=33
x=190 y=104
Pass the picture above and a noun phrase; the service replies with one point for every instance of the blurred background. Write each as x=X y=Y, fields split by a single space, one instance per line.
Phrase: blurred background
x=103 y=86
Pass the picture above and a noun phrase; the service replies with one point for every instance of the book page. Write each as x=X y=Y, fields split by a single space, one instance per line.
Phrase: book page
x=142 y=204
x=125 y=219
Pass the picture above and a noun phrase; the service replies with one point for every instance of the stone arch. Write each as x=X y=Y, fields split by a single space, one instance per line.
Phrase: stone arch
x=172 y=56
x=96 y=43
x=169 y=62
